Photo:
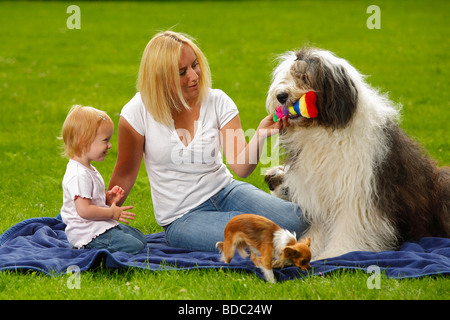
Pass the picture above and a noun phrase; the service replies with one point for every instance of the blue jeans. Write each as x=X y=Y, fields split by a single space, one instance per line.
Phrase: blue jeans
x=203 y=226
x=120 y=238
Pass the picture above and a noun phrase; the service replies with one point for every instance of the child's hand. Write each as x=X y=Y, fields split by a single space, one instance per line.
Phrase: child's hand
x=114 y=195
x=120 y=213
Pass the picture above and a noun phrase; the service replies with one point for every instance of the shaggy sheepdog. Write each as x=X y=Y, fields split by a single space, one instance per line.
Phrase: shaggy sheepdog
x=361 y=182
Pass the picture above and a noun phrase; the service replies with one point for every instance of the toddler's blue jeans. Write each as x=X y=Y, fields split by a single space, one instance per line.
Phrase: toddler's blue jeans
x=200 y=228
x=119 y=238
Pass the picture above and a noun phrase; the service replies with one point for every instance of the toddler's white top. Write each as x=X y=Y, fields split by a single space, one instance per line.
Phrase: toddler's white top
x=182 y=177
x=79 y=181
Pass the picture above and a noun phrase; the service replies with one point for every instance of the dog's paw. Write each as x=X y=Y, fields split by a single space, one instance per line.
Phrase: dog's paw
x=274 y=178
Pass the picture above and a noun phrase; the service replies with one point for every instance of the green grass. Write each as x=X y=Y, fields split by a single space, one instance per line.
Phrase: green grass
x=113 y=284
x=45 y=68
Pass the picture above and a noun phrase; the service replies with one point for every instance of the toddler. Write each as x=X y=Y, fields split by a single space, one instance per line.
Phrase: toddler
x=90 y=221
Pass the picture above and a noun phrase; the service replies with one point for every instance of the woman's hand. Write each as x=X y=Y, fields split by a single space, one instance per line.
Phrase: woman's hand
x=267 y=127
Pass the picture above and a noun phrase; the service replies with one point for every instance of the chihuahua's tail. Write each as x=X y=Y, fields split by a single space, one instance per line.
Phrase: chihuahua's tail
x=219 y=246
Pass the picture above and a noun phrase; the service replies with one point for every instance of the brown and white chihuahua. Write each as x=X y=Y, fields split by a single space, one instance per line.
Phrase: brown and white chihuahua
x=266 y=239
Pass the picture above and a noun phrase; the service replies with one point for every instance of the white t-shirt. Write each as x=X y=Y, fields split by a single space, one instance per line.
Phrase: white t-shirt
x=79 y=181
x=182 y=177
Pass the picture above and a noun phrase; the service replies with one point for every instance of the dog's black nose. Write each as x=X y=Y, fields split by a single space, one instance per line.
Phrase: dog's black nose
x=282 y=97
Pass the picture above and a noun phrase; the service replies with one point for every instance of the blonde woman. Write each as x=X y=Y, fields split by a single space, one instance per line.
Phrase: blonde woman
x=179 y=124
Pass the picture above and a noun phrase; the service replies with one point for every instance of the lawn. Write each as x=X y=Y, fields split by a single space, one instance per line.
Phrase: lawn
x=45 y=67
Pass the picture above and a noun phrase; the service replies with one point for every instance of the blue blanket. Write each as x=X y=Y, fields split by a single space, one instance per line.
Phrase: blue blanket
x=41 y=244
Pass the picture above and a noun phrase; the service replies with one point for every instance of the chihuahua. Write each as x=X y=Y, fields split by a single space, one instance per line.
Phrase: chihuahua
x=266 y=239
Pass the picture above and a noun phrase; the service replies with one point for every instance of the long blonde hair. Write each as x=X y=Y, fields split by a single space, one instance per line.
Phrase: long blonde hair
x=159 y=78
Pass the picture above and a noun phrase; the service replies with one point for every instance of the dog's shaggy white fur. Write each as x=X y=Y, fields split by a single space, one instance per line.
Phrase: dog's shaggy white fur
x=361 y=182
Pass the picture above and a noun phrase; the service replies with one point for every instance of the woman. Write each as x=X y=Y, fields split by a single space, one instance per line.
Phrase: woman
x=179 y=124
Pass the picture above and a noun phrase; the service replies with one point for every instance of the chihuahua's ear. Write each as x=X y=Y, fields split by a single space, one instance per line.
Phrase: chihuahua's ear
x=290 y=253
x=306 y=241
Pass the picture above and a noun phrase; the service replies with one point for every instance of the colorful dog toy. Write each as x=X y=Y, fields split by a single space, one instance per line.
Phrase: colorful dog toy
x=305 y=107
